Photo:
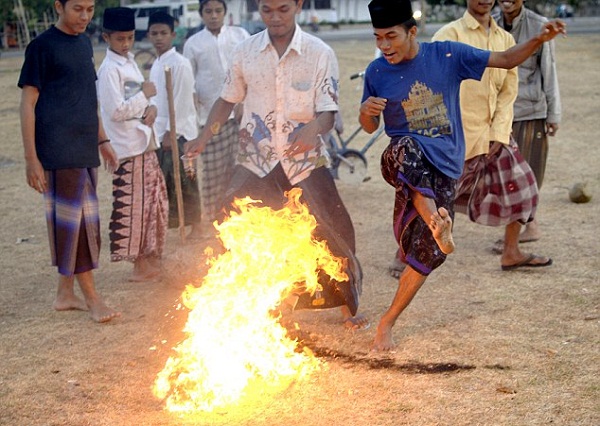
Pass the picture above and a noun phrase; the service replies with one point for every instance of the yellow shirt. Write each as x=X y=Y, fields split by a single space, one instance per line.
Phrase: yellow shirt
x=486 y=105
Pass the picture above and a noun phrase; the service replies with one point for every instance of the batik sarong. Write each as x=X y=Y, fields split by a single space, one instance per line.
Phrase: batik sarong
x=498 y=190
x=190 y=192
x=334 y=226
x=138 y=224
x=405 y=167
x=532 y=140
x=218 y=160
x=72 y=219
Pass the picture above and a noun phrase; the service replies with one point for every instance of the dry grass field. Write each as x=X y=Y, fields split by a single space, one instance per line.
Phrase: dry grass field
x=478 y=346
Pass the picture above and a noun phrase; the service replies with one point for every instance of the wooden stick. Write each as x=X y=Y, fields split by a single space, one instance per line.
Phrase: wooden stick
x=175 y=153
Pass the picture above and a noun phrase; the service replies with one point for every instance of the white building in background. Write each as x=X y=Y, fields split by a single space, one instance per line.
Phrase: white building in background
x=243 y=11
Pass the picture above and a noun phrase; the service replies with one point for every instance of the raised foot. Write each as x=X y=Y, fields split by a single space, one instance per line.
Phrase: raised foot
x=441 y=227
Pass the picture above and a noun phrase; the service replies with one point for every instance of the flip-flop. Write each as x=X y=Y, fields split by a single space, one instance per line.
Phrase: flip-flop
x=526 y=263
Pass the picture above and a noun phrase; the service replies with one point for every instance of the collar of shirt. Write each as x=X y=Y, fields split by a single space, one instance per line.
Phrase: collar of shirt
x=165 y=56
x=295 y=43
x=473 y=24
x=120 y=59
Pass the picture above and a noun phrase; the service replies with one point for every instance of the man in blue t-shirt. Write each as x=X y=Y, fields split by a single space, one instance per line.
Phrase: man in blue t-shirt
x=416 y=87
x=62 y=137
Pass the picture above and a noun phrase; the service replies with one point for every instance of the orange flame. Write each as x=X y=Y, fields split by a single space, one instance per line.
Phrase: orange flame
x=234 y=344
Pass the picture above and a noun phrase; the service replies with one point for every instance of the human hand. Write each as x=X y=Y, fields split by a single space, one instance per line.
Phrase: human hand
x=149 y=116
x=373 y=106
x=303 y=139
x=495 y=148
x=111 y=161
x=552 y=29
x=36 y=177
x=551 y=129
x=149 y=89
x=194 y=147
x=166 y=141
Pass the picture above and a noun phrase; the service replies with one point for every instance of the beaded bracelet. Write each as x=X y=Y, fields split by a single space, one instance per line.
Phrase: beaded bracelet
x=103 y=141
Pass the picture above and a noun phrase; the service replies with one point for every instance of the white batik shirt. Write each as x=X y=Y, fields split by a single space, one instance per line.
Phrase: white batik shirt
x=280 y=95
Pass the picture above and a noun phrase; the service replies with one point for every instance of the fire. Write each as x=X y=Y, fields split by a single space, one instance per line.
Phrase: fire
x=234 y=345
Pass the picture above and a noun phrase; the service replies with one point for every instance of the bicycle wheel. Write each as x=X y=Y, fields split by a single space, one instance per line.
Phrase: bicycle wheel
x=144 y=58
x=352 y=167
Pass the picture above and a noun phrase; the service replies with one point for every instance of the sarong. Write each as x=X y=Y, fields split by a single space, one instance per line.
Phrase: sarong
x=189 y=188
x=498 y=190
x=218 y=161
x=138 y=224
x=405 y=167
x=334 y=225
x=532 y=140
x=72 y=219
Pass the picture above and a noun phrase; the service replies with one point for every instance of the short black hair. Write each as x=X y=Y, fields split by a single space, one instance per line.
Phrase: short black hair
x=203 y=3
x=161 y=18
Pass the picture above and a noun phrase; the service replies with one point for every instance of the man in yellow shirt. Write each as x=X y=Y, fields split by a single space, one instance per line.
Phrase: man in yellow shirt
x=497 y=186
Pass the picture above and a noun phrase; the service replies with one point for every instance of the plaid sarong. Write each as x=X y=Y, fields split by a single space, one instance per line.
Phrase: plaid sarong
x=405 y=167
x=72 y=219
x=218 y=160
x=138 y=224
x=498 y=190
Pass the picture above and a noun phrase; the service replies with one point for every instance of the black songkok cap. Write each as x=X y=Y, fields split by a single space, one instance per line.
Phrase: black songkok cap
x=161 y=18
x=389 y=13
x=119 y=19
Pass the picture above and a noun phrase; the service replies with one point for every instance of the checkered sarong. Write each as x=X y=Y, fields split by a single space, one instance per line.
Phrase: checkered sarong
x=498 y=190
x=218 y=160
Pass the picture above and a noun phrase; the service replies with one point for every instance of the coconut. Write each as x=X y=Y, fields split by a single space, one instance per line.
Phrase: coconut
x=579 y=193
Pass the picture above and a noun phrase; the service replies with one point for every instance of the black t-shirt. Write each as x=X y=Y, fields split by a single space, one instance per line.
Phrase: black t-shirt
x=61 y=67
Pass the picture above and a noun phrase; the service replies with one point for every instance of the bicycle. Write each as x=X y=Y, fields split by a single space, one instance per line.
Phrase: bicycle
x=145 y=57
x=348 y=164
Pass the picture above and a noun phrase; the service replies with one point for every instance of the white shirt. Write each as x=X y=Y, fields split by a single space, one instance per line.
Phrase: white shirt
x=210 y=56
x=280 y=95
x=183 y=95
x=122 y=104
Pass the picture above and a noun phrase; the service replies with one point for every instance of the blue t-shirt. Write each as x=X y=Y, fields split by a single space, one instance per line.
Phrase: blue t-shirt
x=61 y=67
x=423 y=98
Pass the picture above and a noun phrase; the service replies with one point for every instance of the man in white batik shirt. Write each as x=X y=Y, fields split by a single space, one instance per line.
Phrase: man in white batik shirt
x=288 y=81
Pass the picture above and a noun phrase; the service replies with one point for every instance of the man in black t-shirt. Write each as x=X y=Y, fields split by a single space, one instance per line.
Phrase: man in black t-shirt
x=62 y=136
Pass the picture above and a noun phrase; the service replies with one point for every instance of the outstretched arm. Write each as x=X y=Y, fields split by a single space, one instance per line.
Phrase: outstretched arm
x=517 y=54
x=218 y=115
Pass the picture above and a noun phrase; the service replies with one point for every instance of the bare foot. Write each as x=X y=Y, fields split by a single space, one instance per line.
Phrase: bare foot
x=383 y=339
x=102 y=313
x=358 y=322
x=144 y=270
x=530 y=234
x=441 y=227
x=69 y=303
